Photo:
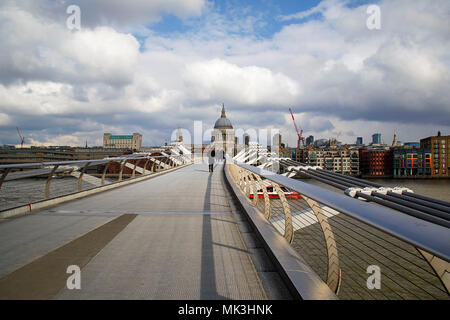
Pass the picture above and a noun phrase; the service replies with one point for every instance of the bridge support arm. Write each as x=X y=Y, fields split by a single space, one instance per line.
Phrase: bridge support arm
x=134 y=169
x=80 y=181
x=166 y=163
x=255 y=190
x=104 y=172
x=267 y=209
x=440 y=267
x=145 y=166
x=246 y=183
x=159 y=163
x=49 y=180
x=288 y=228
x=122 y=165
x=3 y=177
x=334 y=272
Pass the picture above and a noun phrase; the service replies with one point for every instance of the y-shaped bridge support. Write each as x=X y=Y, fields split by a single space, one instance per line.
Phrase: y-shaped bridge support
x=440 y=267
x=334 y=272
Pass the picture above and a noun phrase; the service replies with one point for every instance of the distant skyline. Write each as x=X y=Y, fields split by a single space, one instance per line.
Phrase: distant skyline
x=149 y=66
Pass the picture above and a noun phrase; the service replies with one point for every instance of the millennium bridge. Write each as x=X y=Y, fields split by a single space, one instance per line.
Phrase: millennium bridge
x=164 y=227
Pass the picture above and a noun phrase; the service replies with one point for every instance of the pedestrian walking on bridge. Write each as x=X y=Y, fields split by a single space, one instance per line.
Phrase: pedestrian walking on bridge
x=211 y=159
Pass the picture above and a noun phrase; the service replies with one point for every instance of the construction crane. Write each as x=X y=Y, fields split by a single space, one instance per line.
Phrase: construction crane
x=22 y=139
x=299 y=134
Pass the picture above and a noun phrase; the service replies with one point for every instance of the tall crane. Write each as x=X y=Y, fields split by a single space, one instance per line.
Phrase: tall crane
x=299 y=134
x=22 y=139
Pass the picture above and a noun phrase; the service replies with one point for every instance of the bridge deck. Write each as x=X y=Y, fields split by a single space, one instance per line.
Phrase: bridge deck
x=170 y=237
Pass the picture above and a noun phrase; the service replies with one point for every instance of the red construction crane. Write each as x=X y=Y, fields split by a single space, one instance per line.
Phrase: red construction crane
x=22 y=139
x=299 y=134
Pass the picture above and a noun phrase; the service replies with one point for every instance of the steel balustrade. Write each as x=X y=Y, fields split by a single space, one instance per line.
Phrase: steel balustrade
x=249 y=186
x=417 y=206
x=69 y=166
x=413 y=253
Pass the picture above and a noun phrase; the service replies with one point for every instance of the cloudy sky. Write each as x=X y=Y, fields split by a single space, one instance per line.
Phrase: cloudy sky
x=150 y=66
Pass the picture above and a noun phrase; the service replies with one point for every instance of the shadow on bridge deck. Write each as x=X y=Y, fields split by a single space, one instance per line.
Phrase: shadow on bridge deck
x=182 y=242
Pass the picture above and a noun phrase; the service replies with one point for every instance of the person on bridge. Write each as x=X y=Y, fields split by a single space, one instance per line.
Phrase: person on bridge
x=211 y=156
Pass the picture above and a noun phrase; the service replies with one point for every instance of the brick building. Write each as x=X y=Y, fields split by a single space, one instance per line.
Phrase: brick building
x=410 y=161
x=438 y=146
x=375 y=162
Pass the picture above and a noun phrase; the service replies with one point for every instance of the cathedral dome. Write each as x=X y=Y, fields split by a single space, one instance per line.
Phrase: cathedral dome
x=223 y=122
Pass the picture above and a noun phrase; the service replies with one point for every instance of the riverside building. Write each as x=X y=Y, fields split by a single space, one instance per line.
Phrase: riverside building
x=438 y=146
x=133 y=142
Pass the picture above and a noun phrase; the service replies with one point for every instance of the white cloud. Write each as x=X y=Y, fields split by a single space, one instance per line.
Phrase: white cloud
x=102 y=54
x=219 y=80
x=43 y=50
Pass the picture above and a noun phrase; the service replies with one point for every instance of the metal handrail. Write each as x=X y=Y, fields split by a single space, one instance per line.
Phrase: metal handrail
x=413 y=209
x=405 y=195
x=86 y=163
x=421 y=234
x=71 y=162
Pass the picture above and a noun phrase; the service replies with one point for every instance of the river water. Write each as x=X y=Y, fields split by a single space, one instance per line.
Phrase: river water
x=24 y=191
x=438 y=189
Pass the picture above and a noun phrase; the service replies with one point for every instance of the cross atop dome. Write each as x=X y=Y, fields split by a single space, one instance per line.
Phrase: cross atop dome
x=223 y=122
x=223 y=111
